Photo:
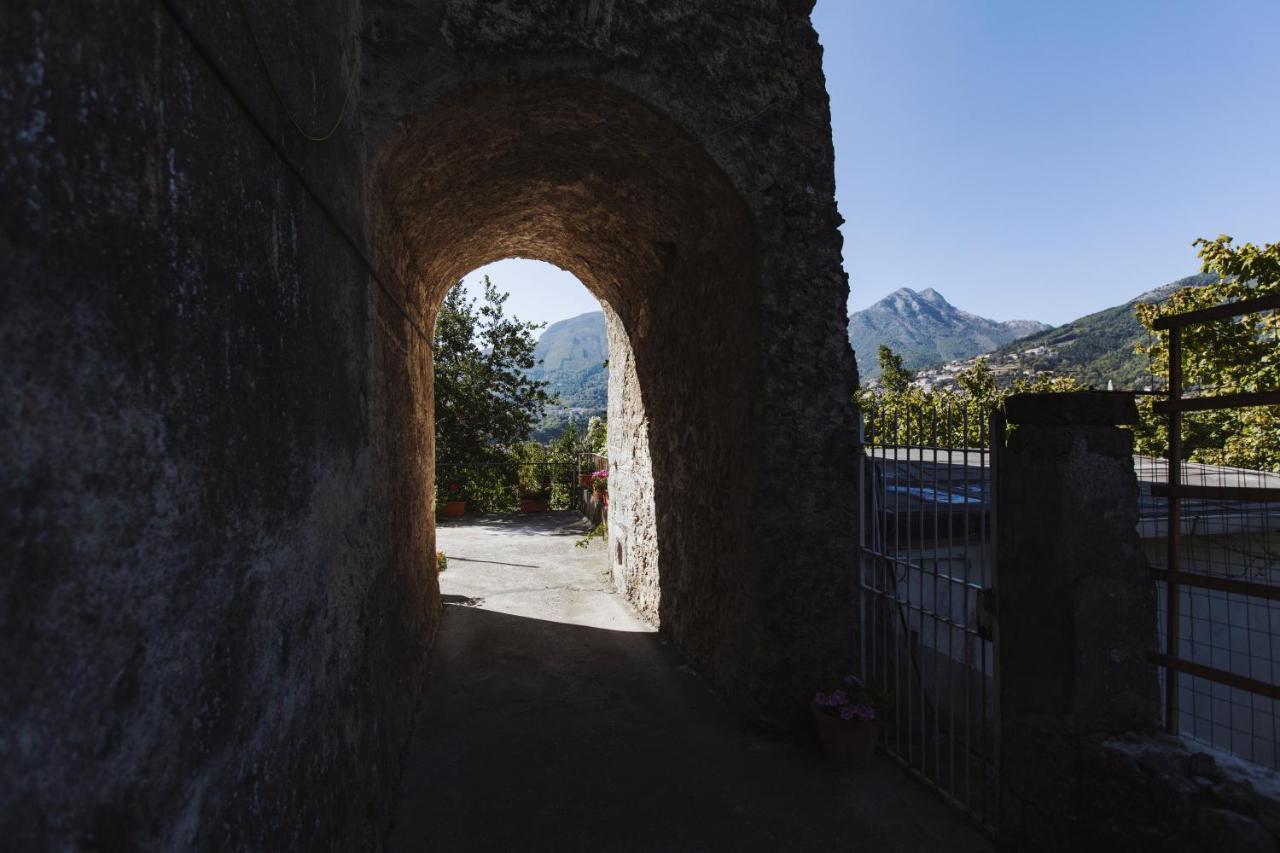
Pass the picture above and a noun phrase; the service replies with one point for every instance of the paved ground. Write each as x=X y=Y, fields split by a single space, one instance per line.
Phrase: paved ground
x=555 y=720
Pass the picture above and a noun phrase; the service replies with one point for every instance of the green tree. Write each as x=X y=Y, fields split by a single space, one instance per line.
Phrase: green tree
x=978 y=382
x=567 y=447
x=893 y=375
x=899 y=413
x=1228 y=356
x=486 y=404
x=597 y=435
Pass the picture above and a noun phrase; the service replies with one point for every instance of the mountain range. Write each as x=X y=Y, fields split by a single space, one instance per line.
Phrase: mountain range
x=925 y=329
x=571 y=357
x=922 y=327
x=1098 y=347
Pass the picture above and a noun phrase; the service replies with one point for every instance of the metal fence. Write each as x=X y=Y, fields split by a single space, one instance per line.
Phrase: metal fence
x=500 y=487
x=1215 y=552
x=1228 y=557
x=927 y=569
x=594 y=462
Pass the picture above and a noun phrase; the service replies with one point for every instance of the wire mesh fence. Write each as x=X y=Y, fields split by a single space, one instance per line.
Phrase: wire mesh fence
x=1229 y=602
x=1217 y=581
x=926 y=573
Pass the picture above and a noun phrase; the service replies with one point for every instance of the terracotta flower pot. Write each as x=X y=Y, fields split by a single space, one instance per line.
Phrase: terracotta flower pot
x=848 y=743
x=533 y=504
x=453 y=509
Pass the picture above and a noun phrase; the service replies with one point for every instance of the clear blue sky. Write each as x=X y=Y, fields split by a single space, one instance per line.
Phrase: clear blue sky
x=1030 y=159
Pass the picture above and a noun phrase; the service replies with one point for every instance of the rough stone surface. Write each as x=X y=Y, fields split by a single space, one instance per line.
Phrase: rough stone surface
x=633 y=547
x=1080 y=767
x=1146 y=791
x=214 y=612
x=1083 y=408
x=1076 y=603
x=216 y=447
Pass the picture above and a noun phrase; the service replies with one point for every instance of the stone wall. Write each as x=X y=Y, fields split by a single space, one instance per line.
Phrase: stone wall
x=1146 y=791
x=633 y=549
x=1082 y=765
x=216 y=586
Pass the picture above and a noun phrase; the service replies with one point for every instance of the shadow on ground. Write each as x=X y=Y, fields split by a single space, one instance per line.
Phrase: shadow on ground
x=540 y=734
x=532 y=524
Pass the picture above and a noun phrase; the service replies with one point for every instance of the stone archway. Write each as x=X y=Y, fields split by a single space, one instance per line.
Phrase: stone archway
x=586 y=177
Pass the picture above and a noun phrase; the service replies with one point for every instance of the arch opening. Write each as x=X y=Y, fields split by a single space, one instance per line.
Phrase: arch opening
x=588 y=178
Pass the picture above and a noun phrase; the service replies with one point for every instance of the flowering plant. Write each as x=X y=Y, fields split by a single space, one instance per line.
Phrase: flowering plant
x=600 y=481
x=451 y=490
x=848 y=698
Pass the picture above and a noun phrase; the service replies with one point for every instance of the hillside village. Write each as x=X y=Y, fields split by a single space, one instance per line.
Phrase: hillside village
x=1006 y=367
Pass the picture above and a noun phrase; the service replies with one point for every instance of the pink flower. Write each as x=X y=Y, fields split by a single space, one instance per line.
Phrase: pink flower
x=846 y=712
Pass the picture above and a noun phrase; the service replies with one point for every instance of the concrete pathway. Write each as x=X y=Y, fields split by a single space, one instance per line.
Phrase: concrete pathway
x=555 y=720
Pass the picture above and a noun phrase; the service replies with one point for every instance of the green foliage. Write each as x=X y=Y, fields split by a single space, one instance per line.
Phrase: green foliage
x=600 y=531
x=978 y=382
x=442 y=562
x=497 y=488
x=895 y=377
x=489 y=488
x=450 y=489
x=1098 y=347
x=597 y=435
x=556 y=421
x=568 y=446
x=565 y=452
x=1222 y=357
x=533 y=474
x=485 y=401
x=943 y=418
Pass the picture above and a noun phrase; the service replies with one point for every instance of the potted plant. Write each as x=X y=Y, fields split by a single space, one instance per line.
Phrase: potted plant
x=452 y=501
x=600 y=485
x=847 y=714
x=536 y=500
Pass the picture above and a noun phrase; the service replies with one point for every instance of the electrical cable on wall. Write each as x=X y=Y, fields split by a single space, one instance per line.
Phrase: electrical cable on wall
x=225 y=81
x=284 y=107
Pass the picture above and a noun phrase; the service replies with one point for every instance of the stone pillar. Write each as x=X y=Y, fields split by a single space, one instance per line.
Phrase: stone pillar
x=1075 y=604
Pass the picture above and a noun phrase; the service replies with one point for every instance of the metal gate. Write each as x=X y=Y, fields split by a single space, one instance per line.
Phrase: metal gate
x=927 y=570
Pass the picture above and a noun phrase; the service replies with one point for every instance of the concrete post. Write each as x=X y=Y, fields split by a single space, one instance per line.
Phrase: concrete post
x=1075 y=603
